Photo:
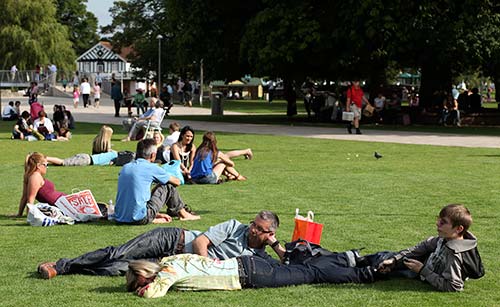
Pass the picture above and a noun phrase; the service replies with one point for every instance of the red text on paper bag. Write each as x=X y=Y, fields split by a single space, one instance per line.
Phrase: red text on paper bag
x=80 y=206
x=83 y=202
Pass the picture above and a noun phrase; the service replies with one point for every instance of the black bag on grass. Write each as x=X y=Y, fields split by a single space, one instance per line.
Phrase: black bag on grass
x=124 y=157
x=302 y=251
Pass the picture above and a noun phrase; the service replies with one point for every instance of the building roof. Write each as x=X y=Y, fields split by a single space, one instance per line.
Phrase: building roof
x=244 y=82
x=103 y=51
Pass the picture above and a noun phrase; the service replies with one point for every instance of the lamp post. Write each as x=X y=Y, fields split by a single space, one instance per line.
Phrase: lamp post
x=159 y=37
x=201 y=82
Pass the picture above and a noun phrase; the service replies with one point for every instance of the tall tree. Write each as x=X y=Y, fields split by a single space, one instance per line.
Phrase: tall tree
x=82 y=24
x=137 y=23
x=30 y=35
x=192 y=30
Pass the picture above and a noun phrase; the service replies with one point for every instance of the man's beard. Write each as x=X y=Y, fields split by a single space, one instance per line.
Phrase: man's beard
x=254 y=241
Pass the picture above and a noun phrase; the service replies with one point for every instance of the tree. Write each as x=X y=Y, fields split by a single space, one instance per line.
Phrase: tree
x=82 y=24
x=30 y=35
x=136 y=23
x=369 y=39
x=192 y=30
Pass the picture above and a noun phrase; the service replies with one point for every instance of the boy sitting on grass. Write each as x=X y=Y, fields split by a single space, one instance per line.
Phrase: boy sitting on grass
x=444 y=261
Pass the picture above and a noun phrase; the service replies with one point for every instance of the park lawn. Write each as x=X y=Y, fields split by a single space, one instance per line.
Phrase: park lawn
x=386 y=204
x=253 y=106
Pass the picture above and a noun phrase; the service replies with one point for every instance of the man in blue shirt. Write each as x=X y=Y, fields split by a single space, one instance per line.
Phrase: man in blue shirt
x=135 y=202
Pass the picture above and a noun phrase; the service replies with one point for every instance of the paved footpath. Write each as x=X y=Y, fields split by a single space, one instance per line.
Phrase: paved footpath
x=104 y=114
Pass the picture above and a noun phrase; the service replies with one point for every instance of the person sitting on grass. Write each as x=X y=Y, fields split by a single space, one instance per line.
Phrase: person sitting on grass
x=210 y=164
x=23 y=129
x=163 y=154
x=102 y=141
x=44 y=126
x=35 y=185
x=161 y=151
x=225 y=240
x=9 y=112
x=173 y=137
x=184 y=150
x=444 y=261
x=62 y=121
x=135 y=202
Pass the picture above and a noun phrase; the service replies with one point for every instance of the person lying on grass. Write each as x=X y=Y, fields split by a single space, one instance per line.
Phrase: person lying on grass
x=444 y=261
x=197 y=273
x=222 y=241
x=83 y=159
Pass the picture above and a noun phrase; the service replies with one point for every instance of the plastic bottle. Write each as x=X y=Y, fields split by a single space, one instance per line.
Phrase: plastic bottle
x=111 y=210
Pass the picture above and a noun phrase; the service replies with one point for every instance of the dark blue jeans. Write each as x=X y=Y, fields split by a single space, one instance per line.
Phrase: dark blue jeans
x=259 y=273
x=113 y=260
x=324 y=269
x=335 y=269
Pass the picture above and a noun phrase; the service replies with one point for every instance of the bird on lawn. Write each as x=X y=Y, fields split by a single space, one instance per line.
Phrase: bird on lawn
x=377 y=155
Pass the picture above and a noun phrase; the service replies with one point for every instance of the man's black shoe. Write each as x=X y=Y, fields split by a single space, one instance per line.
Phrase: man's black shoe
x=349 y=128
x=358 y=131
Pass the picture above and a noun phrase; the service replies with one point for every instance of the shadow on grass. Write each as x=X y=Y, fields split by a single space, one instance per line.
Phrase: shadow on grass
x=389 y=285
x=33 y=275
x=488 y=156
x=109 y=289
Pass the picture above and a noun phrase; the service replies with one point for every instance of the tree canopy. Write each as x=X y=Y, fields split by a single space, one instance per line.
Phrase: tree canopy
x=369 y=39
x=30 y=35
x=81 y=24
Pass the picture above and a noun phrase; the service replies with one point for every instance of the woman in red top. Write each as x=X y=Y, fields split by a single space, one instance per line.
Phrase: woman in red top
x=355 y=98
x=35 y=186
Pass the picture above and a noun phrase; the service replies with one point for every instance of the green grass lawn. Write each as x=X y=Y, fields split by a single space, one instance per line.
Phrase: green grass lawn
x=386 y=204
x=253 y=106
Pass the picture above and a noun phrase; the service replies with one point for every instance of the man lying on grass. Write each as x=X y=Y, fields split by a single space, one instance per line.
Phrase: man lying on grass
x=223 y=241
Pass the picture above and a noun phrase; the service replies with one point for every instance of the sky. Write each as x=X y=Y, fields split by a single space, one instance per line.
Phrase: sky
x=100 y=8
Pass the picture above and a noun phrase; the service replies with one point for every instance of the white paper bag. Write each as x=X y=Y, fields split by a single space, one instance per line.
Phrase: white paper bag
x=80 y=206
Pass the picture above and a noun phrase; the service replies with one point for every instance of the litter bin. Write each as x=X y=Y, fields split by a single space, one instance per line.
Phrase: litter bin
x=217 y=103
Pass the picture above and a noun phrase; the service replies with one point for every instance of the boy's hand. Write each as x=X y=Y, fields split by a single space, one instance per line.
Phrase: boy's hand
x=414 y=265
x=387 y=265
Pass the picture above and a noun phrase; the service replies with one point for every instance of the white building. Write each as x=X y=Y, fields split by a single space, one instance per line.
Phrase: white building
x=101 y=58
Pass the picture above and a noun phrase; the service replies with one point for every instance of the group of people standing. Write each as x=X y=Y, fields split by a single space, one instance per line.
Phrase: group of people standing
x=85 y=89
